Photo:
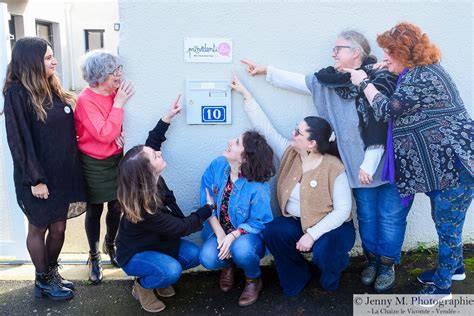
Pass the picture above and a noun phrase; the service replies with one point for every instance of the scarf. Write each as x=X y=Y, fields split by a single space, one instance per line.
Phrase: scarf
x=372 y=132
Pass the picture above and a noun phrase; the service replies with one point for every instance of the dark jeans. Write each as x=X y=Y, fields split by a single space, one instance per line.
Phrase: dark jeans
x=330 y=254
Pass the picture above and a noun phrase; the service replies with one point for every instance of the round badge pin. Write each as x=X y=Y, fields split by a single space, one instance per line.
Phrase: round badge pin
x=67 y=109
x=313 y=183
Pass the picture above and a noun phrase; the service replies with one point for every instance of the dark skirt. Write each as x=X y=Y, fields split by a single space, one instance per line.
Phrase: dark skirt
x=101 y=177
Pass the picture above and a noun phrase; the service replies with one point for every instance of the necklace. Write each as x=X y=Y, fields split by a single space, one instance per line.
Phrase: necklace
x=311 y=163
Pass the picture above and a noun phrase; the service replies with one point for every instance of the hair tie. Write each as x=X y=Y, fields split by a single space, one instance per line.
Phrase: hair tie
x=332 y=137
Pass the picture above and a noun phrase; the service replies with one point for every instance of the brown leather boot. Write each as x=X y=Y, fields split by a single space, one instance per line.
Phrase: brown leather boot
x=251 y=292
x=147 y=298
x=226 y=281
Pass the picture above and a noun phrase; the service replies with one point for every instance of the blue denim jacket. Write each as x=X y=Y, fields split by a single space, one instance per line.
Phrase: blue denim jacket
x=249 y=204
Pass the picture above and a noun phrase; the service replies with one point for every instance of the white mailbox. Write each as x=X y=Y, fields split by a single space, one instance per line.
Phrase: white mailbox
x=208 y=102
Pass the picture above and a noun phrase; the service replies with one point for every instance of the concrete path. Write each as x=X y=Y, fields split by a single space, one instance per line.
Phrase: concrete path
x=198 y=292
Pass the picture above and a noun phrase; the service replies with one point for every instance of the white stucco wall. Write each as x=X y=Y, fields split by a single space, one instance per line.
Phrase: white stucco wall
x=296 y=36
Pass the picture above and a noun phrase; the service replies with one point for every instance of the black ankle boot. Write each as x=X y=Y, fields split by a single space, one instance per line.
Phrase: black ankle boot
x=54 y=270
x=109 y=248
x=46 y=285
x=95 y=268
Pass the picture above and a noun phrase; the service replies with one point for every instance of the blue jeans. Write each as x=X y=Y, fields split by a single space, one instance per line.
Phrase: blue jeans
x=330 y=254
x=156 y=270
x=246 y=251
x=448 y=210
x=382 y=220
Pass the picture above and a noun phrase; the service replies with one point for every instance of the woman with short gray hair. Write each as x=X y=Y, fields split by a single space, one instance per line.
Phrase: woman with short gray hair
x=361 y=144
x=98 y=117
x=97 y=66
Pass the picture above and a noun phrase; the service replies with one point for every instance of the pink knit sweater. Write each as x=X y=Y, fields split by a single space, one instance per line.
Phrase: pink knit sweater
x=98 y=123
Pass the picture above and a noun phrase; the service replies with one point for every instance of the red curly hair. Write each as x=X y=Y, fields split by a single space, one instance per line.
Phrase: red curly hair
x=406 y=43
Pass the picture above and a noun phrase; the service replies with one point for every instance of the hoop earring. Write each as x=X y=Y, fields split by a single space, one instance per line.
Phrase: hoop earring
x=308 y=152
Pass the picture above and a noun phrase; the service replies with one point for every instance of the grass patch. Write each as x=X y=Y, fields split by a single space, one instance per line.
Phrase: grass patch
x=424 y=247
x=424 y=252
x=415 y=272
x=469 y=264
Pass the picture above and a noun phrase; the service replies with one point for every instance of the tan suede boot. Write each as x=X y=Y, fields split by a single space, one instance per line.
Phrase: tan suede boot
x=147 y=298
x=166 y=291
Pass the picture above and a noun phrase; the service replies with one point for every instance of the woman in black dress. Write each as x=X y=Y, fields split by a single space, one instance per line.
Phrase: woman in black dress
x=47 y=171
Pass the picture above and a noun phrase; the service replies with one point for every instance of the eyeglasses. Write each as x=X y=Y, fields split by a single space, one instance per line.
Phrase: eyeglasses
x=337 y=48
x=297 y=131
x=117 y=71
x=400 y=30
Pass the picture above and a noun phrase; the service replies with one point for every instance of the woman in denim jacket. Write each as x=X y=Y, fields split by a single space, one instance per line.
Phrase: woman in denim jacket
x=238 y=182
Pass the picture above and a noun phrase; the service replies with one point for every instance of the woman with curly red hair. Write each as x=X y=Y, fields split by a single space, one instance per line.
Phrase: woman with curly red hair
x=432 y=142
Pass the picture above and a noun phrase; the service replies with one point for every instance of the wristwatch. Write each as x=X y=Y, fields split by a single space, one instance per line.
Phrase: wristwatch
x=363 y=84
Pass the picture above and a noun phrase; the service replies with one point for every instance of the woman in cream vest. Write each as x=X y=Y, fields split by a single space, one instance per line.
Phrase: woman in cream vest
x=314 y=197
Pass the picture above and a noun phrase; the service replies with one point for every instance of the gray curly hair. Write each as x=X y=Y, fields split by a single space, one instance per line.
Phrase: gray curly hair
x=358 y=41
x=97 y=65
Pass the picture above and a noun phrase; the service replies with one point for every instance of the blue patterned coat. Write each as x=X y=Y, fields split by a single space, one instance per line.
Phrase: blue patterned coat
x=431 y=130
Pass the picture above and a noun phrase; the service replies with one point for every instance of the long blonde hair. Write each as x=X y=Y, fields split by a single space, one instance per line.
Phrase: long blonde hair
x=27 y=67
x=138 y=191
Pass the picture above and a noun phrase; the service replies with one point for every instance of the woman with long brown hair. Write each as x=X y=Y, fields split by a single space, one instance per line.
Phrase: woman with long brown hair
x=47 y=170
x=149 y=243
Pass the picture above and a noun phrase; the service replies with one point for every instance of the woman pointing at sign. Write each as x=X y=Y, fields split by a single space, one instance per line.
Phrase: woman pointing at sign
x=314 y=197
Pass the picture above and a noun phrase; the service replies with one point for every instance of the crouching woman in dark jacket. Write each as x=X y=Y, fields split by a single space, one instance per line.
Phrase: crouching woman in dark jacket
x=149 y=244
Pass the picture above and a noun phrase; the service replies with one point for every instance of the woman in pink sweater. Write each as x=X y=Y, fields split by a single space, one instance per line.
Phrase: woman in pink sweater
x=98 y=117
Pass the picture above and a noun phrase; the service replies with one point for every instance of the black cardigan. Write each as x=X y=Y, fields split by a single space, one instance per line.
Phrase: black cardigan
x=43 y=152
x=163 y=230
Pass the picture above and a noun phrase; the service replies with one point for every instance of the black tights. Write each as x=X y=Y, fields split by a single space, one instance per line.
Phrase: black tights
x=44 y=253
x=112 y=220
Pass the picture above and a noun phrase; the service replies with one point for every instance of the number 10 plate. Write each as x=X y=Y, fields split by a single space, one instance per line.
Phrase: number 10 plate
x=210 y=114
